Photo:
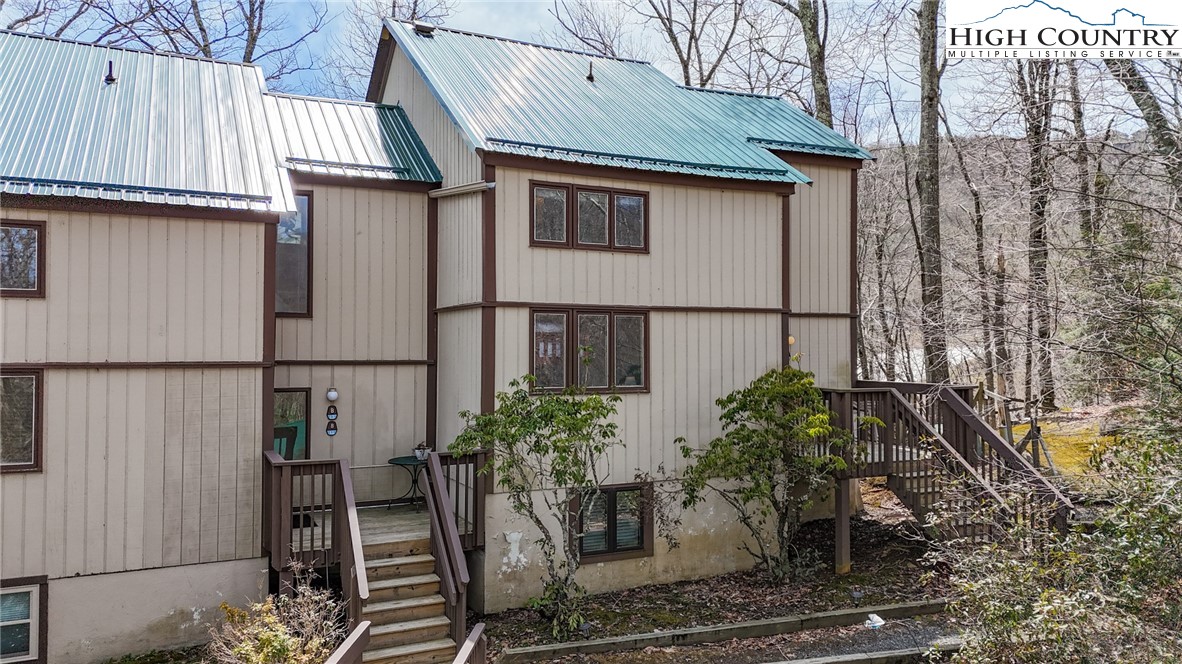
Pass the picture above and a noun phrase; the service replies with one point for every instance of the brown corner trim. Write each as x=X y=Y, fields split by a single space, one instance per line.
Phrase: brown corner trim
x=42 y=583
x=351 y=363
x=785 y=279
x=634 y=174
x=488 y=315
x=381 y=68
x=301 y=179
x=432 y=318
x=103 y=206
x=136 y=365
x=853 y=276
x=805 y=159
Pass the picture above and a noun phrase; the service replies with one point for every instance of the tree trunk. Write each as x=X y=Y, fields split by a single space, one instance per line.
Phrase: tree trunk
x=1167 y=140
x=1087 y=225
x=1005 y=369
x=927 y=183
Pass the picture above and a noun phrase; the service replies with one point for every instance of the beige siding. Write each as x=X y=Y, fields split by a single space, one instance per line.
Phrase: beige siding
x=382 y=414
x=140 y=289
x=824 y=345
x=708 y=247
x=460 y=260
x=447 y=145
x=819 y=241
x=142 y=468
x=459 y=370
x=369 y=285
x=696 y=358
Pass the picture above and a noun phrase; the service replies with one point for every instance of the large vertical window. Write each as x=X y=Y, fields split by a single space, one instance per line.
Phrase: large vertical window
x=21 y=620
x=291 y=422
x=293 y=261
x=608 y=349
x=22 y=259
x=615 y=522
x=564 y=215
x=20 y=420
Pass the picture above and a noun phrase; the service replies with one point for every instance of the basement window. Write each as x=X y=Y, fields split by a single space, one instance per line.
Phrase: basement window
x=21 y=621
x=20 y=420
x=22 y=259
x=616 y=523
x=293 y=261
x=602 y=219
x=597 y=350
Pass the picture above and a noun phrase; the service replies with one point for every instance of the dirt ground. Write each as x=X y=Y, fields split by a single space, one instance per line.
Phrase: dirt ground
x=886 y=570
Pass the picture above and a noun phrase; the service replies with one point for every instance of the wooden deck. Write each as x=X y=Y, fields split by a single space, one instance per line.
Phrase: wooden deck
x=379 y=524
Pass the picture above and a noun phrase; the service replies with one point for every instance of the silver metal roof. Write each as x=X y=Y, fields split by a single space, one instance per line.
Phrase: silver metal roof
x=332 y=137
x=172 y=129
x=520 y=98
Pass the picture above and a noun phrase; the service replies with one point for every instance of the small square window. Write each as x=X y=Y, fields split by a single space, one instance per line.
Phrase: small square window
x=550 y=215
x=22 y=259
x=20 y=420
x=593 y=209
x=614 y=522
x=629 y=231
x=19 y=629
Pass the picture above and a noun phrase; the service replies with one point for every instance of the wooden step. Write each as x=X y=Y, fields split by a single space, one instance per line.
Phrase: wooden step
x=392 y=568
x=395 y=546
x=402 y=610
x=408 y=632
x=403 y=587
x=429 y=652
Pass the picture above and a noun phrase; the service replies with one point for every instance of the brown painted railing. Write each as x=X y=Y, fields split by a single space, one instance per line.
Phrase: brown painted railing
x=450 y=565
x=475 y=647
x=310 y=516
x=351 y=650
x=467 y=488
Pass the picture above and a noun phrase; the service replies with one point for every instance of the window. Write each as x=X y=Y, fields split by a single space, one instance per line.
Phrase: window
x=291 y=422
x=606 y=219
x=22 y=612
x=22 y=259
x=609 y=349
x=20 y=420
x=616 y=523
x=293 y=261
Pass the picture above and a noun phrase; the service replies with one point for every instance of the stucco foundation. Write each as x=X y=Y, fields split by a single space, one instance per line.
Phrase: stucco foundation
x=93 y=618
x=709 y=542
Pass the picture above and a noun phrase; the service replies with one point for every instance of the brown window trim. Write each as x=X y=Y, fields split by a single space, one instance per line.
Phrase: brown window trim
x=42 y=636
x=572 y=215
x=38 y=422
x=42 y=231
x=646 y=524
x=311 y=217
x=307 y=414
x=572 y=330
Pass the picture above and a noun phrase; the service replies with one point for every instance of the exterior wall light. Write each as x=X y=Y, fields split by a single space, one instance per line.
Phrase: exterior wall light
x=332 y=394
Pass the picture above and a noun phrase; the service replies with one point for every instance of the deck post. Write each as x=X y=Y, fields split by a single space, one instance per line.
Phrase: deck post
x=841 y=551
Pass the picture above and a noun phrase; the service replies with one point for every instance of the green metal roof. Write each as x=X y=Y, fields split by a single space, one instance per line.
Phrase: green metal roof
x=332 y=137
x=171 y=129
x=519 y=98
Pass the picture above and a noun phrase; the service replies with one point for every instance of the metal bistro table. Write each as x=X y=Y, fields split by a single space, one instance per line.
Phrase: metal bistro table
x=414 y=467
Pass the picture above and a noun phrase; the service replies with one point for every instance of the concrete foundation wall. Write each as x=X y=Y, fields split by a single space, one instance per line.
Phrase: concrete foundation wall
x=93 y=618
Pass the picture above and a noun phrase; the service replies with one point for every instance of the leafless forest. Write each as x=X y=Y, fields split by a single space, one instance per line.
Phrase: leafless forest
x=1021 y=225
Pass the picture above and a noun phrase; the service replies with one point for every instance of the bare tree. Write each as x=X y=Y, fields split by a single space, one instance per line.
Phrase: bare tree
x=1166 y=138
x=700 y=33
x=813 y=16
x=606 y=28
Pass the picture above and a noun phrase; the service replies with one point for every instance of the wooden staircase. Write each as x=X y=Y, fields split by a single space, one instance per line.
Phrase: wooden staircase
x=405 y=608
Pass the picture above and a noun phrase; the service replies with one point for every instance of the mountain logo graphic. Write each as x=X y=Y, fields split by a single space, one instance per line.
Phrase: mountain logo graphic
x=1123 y=15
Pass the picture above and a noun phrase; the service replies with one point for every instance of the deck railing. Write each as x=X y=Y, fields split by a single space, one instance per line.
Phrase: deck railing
x=353 y=647
x=467 y=488
x=310 y=516
x=474 y=650
x=450 y=565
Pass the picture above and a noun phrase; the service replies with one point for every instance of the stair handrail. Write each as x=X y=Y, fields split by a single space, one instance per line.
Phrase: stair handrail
x=450 y=564
x=964 y=466
x=352 y=554
x=474 y=650
x=1011 y=456
x=353 y=647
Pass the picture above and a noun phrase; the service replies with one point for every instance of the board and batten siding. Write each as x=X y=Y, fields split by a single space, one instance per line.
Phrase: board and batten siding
x=696 y=357
x=819 y=273
x=452 y=153
x=382 y=413
x=459 y=371
x=368 y=278
x=142 y=468
x=460 y=260
x=707 y=247
x=140 y=289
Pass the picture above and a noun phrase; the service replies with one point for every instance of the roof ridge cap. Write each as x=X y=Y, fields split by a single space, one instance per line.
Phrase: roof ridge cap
x=510 y=40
